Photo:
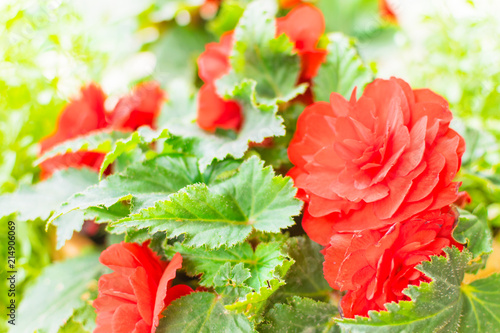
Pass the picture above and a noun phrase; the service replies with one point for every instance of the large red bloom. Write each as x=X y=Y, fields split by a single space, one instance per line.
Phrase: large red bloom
x=87 y=113
x=132 y=298
x=304 y=25
x=371 y=163
x=375 y=266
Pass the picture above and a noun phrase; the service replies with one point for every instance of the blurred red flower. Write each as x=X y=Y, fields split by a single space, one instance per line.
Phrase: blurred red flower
x=371 y=163
x=132 y=298
x=82 y=115
x=139 y=108
x=87 y=113
x=213 y=111
x=386 y=11
x=304 y=25
x=375 y=266
x=289 y=3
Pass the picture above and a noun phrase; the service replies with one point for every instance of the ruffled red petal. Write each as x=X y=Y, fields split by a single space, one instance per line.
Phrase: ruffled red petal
x=215 y=112
x=214 y=61
x=376 y=161
x=139 y=108
x=375 y=266
x=132 y=298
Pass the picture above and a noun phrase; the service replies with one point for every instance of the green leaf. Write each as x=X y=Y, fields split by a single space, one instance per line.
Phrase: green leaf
x=201 y=312
x=276 y=155
x=342 y=71
x=260 y=122
x=227 y=18
x=143 y=136
x=260 y=56
x=223 y=214
x=300 y=315
x=230 y=281
x=443 y=305
x=97 y=141
x=66 y=225
x=305 y=278
x=41 y=199
x=83 y=318
x=142 y=183
x=49 y=303
x=473 y=230
x=262 y=262
x=254 y=303
x=72 y=326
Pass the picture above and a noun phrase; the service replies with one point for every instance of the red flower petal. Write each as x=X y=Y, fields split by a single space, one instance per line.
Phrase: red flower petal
x=214 y=61
x=161 y=294
x=214 y=112
x=81 y=116
x=304 y=25
x=139 y=108
x=376 y=265
x=138 y=289
x=177 y=292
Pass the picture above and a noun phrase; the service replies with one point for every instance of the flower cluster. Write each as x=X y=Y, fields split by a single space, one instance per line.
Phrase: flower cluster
x=87 y=113
x=304 y=25
x=377 y=176
x=132 y=298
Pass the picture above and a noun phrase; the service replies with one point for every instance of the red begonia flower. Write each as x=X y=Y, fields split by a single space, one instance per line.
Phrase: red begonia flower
x=82 y=115
x=132 y=298
x=304 y=25
x=87 y=113
x=382 y=159
x=139 y=108
x=375 y=266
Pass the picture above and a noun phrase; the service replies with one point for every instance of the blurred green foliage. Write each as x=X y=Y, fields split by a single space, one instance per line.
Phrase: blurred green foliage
x=455 y=51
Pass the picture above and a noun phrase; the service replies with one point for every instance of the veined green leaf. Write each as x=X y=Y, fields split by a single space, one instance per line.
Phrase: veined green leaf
x=97 y=141
x=305 y=278
x=443 y=305
x=261 y=262
x=300 y=315
x=342 y=71
x=143 y=183
x=254 y=303
x=473 y=230
x=223 y=214
x=144 y=135
x=230 y=282
x=260 y=56
x=260 y=122
x=201 y=312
